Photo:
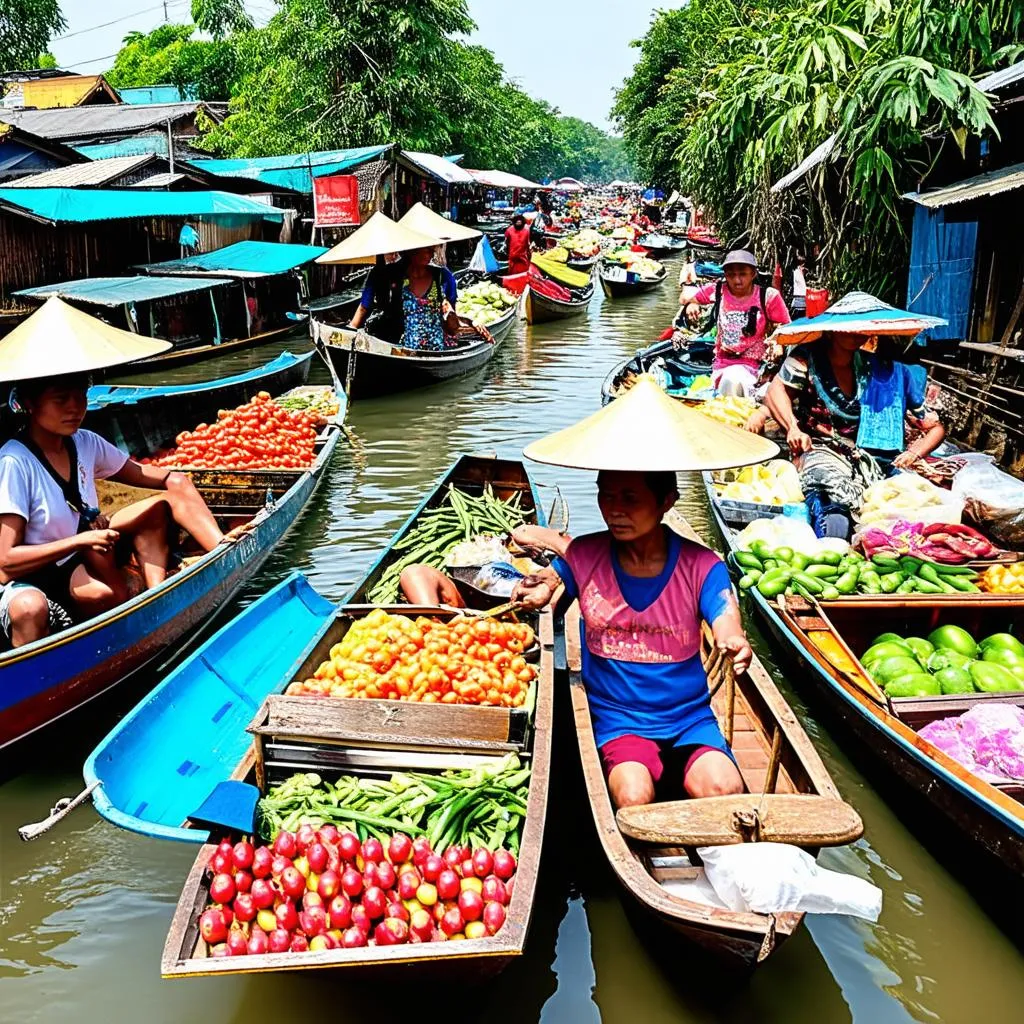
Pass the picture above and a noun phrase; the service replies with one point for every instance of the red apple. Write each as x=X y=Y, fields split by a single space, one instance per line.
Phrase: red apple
x=471 y=905
x=408 y=883
x=375 y=902
x=263 y=863
x=292 y=883
x=263 y=894
x=244 y=908
x=328 y=835
x=351 y=882
x=299 y=944
x=448 y=884
x=452 y=922
x=311 y=899
x=341 y=912
x=385 y=875
x=329 y=885
x=313 y=922
x=212 y=927
x=373 y=850
x=353 y=938
x=316 y=854
x=348 y=846
x=280 y=940
x=397 y=910
x=237 y=943
x=258 y=941
x=494 y=890
x=361 y=919
x=420 y=850
x=222 y=888
x=287 y=917
x=284 y=845
x=243 y=853
x=504 y=864
x=432 y=867
x=400 y=848
x=243 y=881
x=483 y=862
x=493 y=917
x=421 y=924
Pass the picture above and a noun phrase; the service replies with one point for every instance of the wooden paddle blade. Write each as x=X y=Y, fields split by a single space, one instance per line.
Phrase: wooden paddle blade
x=800 y=819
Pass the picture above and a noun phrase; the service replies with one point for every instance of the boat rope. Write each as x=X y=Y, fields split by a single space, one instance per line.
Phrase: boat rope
x=768 y=942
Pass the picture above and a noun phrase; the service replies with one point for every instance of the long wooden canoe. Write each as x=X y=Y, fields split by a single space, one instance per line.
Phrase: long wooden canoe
x=774 y=755
x=373 y=366
x=536 y=308
x=144 y=418
x=991 y=817
x=53 y=676
x=619 y=283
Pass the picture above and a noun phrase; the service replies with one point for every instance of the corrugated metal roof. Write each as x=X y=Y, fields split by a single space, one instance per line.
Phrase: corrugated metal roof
x=292 y=170
x=816 y=156
x=115 y=291
x=156 y=144
x=1002 y=78
x=107 y=118
x=991 y=183
x=159 y=180
x=96 y=172
x=73 y=206
x=438 y=167
x=243 y=259
x=68 y=91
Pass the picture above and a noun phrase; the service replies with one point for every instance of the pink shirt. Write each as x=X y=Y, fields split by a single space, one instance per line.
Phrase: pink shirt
x=732 y=347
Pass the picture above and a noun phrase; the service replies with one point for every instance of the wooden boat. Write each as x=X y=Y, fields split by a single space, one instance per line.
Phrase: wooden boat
x=659 y=246
x=536 y=308
x=144 y=418
x=989 y=816
x=584 y=263
x=619 y=283
x=50 y=678
x=379 y=367
x=774 y=755
x=469 y=473
x=682 y=366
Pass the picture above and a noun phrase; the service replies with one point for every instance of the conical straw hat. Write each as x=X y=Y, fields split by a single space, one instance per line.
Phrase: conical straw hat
x=59 y=339
x=377 y=237
x=647 y=431
x=424 y=220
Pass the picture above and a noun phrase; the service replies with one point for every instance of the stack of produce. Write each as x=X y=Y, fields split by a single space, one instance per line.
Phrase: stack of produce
x=948 y=662
x=395 y=657
x=321 y=889
x=771 y=483
x=952 y=543
x=322 y=403
x=458 y=518
x=558 y=253
x=635 y=262
x=584 y=243
x=828 y=575
x=482 y=807
x=909 y=497
x=484 y=302
x=1003 y=579
x=258 y=435
x=733 y=410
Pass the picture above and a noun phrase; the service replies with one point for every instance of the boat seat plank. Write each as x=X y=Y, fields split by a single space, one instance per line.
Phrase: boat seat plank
x=801 y=819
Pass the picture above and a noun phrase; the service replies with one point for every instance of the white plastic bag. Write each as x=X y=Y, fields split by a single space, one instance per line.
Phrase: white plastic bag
x=769 y=877
x=994 y=499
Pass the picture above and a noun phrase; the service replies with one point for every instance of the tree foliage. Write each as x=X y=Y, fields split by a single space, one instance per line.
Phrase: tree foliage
x=26 y=28
x=324 y=74
x=727 y=97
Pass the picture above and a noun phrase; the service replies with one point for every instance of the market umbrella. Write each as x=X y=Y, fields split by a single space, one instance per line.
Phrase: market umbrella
x=424 y=220
x=857 y=313
x=377 y=237
x=647 y=431
x=59 y=339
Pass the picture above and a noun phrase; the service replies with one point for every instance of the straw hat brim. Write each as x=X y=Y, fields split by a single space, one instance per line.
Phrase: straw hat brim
x=377 y=237
x=424 y=220
x=59 y=339
x=647 y=431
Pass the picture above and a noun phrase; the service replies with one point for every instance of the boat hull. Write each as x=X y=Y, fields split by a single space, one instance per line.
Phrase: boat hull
x=627 y=289
x=197 y=353
x=535 y=308
x=143 y=422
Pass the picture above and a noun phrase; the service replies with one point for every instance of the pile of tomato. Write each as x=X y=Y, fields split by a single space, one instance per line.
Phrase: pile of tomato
x=257 y=435
x=395 y=657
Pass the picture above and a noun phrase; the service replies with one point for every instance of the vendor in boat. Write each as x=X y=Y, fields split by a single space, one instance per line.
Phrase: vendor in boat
x=845 y=408
x=745 y=313
x=643 y=592
x=56 y=548
x=417 y=301
x=517 y=238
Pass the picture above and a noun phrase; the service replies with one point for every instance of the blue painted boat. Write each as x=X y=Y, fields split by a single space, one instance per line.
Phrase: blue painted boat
x=53 y=676
x=988 y=816
x=159 y=763
x=142 y=418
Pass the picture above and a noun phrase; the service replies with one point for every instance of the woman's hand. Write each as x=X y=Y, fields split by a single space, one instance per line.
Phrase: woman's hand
x=100 y=541
x=737 y=648
x=906 y=460
x=756 y=420
x=692 y=311
x=533 y=592
x=797 y=440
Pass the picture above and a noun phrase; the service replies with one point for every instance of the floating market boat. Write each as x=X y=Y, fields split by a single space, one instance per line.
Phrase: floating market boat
x=618 y=282
x=775 y=757
x=144 y=418
x=681 y=366
x=537 y=308
x=53 y=676
x=659 y=246
x=825 y=641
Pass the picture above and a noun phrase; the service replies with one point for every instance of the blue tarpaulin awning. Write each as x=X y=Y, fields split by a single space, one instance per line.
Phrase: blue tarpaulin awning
x=115 y=291
x=243 y=259
x=81 y=206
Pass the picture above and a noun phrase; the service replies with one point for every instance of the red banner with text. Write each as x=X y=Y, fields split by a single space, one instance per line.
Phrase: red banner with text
x=336 y=200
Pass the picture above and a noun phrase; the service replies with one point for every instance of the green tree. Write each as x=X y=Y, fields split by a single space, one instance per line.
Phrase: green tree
x=26 y=28
x=220 y=17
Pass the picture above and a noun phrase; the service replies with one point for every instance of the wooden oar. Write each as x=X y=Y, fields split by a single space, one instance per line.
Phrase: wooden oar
x=799 y=819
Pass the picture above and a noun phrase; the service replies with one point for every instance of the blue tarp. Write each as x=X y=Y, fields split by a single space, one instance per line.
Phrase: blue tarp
x=941 y=276
x=293 y=170
x=243 y=259
x=116 y=291
x=135 y=146
x=157 y=94
x=84 y=206
x=18 y=160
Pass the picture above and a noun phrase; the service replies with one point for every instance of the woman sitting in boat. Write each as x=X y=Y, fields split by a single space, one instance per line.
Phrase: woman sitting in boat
x=517 y=235
x=416 y=299
x=643 y=591
x=56 y=548
x=845 y=410
x=746 y=313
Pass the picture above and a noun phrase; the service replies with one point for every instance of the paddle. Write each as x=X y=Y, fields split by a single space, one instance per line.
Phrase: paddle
x=795 y=818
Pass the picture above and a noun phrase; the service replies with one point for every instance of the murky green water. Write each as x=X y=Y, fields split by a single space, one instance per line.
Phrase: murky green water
x=85 y=909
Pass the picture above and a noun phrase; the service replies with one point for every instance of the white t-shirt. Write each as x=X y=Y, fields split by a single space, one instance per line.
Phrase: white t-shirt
x=28 y=490
x=799 y=284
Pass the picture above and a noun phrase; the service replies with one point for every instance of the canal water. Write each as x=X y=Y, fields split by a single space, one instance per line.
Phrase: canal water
x=85 y=909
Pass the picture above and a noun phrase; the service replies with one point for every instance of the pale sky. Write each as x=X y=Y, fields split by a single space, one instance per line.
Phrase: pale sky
x=572 y=53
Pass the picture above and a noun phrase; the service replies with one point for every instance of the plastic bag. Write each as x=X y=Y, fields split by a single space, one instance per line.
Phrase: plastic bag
x=497 y=578
x=480 y=550
x=769 y=877
x=993 y=499
x=910 y=497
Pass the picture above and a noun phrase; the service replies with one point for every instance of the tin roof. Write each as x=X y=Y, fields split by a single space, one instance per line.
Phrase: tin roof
x=242 y=259
x=438 y=167
x=101 y=119
x=293 y=170
x=991 y=183
x=1001 y=79
x=115 y=291
x=96 y=172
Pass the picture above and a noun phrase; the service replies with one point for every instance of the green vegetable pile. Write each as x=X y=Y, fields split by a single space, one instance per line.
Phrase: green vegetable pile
x=829 y=576
x=477 y=807
x=322 y=402
x=948 y=662
x=484 y=302
x=458 y=518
